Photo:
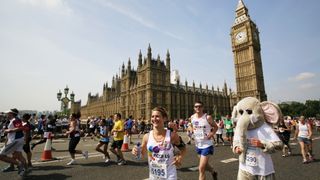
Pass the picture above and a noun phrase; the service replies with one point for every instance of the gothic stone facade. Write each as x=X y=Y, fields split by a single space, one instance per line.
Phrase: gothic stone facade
x=137 y=92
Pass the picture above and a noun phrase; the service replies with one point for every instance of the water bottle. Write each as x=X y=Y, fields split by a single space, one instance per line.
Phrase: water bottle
x=138 y=151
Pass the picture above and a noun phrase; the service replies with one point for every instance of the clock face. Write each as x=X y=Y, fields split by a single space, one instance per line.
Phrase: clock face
x=241 y=36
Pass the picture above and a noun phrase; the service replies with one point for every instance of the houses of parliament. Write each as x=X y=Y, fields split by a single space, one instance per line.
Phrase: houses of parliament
x=137 y=92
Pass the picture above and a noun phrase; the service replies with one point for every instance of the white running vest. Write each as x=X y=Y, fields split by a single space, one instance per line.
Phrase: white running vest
x=160 y=158
x=303 y=130
x=201 y=128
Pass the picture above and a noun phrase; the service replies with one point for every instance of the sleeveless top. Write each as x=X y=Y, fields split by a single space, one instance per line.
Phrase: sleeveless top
x=76 y=132
x=201 y=128
x=303 y=130
x=12 y=136
x=160 y=158
x=103 y=131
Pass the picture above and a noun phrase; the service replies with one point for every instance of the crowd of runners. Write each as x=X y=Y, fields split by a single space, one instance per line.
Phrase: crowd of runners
x=159 y=138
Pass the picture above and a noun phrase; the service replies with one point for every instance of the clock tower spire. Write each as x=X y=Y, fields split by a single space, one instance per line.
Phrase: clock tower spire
x=247 y=57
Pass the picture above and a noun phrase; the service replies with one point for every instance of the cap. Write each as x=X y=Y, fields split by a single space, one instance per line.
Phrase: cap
x=13 y=111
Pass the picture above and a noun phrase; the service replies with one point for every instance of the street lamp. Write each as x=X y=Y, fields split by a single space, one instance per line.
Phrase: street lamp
x=65 y=100
x=214 y=111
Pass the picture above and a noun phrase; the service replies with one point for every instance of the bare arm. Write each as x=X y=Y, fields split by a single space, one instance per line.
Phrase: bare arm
x=297 y=132
x=177 y=141
x=213 y=125
x=14 y=129
x=72 y=127
x=309 y=131
x=116 y=129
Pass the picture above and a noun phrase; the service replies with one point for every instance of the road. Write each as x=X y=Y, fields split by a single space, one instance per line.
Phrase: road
x=225 y=163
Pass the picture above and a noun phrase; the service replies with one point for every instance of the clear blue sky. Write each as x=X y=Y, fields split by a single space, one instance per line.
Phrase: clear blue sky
x=48 y=44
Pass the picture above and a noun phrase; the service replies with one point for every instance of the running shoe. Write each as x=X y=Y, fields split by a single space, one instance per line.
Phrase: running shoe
x=28 y=170
x=122 y=162
x=311 y=159
x=118 y=159
x=214 y=175
x=72 y=162
x=21 y=170
x=85 y=154
x=8 y=169
x=107 y=161
x=32 y=146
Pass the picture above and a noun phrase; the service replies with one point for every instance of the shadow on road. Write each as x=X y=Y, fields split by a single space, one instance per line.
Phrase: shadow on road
x=48 y=168
x=113 y=163
x=53 y=176
x=188 y=169
x=61 y=150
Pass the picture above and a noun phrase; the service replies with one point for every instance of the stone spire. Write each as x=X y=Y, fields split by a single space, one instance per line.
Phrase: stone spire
x=168 y=60
x=241 y=13
x=140 y=59
x=225 y=88
x=122 y=71
x=129 y=65
x=149 y=54
x=158 y=60
x=240 y=5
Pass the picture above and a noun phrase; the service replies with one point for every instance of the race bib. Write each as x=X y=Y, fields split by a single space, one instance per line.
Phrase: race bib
x=158 y=170
x=76 y=135
x=199 y=134
x=49 y=126
x=251 y=158
x=228 y=126
x=46 y=134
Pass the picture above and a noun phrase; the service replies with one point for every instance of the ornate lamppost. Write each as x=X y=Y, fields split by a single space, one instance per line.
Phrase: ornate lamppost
x=214 y=111
x=65 y=100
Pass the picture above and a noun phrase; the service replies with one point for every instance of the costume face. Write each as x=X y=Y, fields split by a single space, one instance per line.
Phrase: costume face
x=249 y=113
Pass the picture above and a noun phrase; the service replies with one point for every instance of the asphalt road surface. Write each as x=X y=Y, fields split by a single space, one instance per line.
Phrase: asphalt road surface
x=94 y=168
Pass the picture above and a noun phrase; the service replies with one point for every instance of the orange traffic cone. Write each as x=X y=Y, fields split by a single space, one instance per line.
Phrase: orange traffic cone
x=47 y=155
x=125 y=145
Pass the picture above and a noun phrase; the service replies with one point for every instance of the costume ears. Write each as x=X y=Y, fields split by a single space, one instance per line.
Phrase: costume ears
x=272 y=112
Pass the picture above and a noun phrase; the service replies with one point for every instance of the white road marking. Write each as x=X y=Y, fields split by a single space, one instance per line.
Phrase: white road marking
x=64 y=158
x=229 y=160
x=193 y=168
x=316 y=138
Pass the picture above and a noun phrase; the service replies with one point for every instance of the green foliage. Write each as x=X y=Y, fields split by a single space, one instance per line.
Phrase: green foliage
x=311 y=108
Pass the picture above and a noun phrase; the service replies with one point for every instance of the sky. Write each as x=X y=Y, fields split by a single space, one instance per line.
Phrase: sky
x=48 y=44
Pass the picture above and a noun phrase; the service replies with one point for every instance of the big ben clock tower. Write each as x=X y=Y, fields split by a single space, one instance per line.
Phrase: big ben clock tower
x=247 y=58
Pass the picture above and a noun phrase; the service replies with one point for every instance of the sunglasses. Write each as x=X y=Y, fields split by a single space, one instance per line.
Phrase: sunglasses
x=199 y=106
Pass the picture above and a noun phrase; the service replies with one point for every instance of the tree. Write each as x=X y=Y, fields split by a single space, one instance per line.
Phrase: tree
x=311 y=108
